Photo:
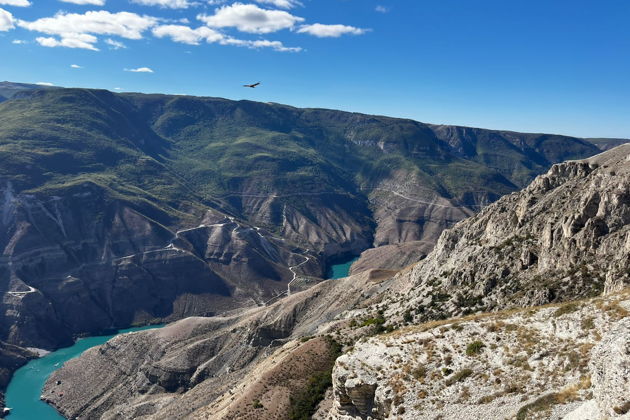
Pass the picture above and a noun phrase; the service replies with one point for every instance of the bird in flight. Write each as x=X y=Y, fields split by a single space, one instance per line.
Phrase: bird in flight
x=252 y=85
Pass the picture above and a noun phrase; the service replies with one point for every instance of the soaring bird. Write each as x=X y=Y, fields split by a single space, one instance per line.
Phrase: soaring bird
x=252 y=86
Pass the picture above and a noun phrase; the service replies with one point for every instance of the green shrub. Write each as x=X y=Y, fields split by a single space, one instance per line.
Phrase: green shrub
x=474 y=348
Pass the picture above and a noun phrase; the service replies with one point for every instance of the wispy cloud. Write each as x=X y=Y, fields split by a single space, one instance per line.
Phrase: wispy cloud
x=169 y=4
x=186 y=35
x=82 y=2
x=84 y=41
x=250 y=18
x=330 y=31
x=283 y=4
x=382 y=9
x=19 y=42
x=141 y=70
x=115 y=45
x=6 y=20
x=19 y=3
x=75 y=66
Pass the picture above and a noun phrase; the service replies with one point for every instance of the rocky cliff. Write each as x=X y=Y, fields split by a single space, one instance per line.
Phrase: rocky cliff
x=566 y=236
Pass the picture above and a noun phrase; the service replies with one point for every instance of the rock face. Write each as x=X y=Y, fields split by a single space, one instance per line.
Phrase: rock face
x=610 y=371
x=556 y=362
x=562 y=238
x=566 y=236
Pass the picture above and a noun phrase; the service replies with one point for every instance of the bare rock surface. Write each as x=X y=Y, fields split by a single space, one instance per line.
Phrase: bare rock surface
x=558 y=361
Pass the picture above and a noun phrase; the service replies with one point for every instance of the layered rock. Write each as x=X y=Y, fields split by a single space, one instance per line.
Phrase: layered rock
x=83 y=263
x=557 y=361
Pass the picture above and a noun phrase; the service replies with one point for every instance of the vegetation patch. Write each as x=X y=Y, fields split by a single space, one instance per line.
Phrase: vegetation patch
x=459 y=376
x=474 y=348
x=566 y=309
x=304 y=404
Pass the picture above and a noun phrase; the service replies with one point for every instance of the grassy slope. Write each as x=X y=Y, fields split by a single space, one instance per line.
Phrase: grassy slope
x=182 y=153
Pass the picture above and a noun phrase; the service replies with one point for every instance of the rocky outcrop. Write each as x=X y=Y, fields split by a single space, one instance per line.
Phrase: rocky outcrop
x=564 y=237
x=555 y=362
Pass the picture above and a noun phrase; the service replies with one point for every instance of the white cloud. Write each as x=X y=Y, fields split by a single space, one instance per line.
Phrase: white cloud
x=114 y=45
x=170 y=4
x=117 y=88
x=382 y=9
x=140 y=70
x=75 y=30
x=250 y=18
x=85 y=41
x=75 y=66
x=19 y=41
x=330 y=31
x=90 y=2
x=261 y=43
x=44 y=84
x=6 y=20
x=284 y=4
x=186 y=35
x=19 y=3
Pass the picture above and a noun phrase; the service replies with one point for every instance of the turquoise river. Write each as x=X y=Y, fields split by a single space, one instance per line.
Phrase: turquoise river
x=26 y=385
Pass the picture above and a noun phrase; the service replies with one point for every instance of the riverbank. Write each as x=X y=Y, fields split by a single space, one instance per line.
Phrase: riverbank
x=24 y=390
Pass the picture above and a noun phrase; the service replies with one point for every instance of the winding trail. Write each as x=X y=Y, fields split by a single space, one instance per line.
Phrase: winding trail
x=422 y=201
x=31 y=289
x=340 y=193
x=292 y=269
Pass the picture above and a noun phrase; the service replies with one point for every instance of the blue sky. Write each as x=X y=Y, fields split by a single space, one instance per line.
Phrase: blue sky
x=542 y=66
